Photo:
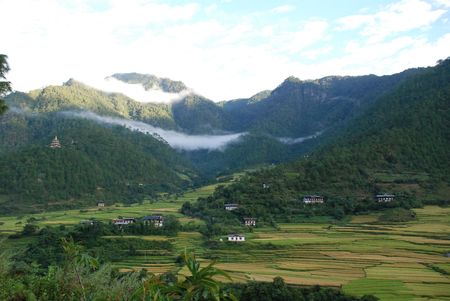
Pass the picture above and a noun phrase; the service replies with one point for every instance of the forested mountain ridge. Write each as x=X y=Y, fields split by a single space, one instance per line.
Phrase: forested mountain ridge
x=400 y=145
x=295 y=108
x=95 y=162
x=73 y=95
x=149 y=81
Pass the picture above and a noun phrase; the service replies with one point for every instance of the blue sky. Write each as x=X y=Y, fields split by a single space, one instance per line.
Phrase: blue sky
x=222 y=49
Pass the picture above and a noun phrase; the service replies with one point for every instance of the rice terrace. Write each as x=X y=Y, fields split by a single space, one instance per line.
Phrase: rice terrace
x=361 y=255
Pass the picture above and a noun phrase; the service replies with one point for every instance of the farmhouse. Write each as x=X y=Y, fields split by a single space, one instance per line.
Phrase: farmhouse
x=231 y=207
x=236 y=237
x=100 y=204
x=385 y=198
x=155 y=220
x=313 y=199
x=123 y=221
x=55 y=143
x=250 y=221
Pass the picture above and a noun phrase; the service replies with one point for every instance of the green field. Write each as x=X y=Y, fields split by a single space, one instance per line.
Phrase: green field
x=392 y=261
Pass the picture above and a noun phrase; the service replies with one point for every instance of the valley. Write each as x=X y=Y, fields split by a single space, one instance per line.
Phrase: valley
x=360 y=254
x=346 y=179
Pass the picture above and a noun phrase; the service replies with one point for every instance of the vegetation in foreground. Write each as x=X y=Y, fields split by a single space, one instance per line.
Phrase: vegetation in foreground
x=81 y=277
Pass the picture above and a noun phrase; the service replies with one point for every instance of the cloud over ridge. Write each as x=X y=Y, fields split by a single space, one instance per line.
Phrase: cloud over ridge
x=176 y=140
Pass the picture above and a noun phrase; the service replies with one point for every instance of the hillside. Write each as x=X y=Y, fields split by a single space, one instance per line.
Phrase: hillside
x=400 y=145
x=95 y=163
x=73 y=95
x=294 y=109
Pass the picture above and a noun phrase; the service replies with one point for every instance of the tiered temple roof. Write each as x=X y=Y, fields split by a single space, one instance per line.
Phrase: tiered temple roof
x=55 y=143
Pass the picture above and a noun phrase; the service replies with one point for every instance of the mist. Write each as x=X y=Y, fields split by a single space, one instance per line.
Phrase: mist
x=135 y=91
x=289 y=141
x=177 y=140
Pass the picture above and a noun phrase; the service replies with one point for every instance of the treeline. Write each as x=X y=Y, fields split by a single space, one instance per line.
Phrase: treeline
x=46 y=246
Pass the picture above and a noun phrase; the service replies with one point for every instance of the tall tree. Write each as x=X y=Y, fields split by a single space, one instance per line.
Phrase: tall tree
x=5 y=86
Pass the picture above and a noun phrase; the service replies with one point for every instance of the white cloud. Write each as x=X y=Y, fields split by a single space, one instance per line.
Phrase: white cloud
x=289 y=141
x=395 y=18
x=175 y=139
x=283 y=9
x=221 y=55
x=135 y=91
x=444 y=3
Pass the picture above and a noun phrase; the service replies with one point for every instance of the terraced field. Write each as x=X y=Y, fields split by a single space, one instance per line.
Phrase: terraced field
x=394 y=262
x=402 y=261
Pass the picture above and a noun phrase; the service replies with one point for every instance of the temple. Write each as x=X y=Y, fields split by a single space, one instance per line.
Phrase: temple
x=55 y=143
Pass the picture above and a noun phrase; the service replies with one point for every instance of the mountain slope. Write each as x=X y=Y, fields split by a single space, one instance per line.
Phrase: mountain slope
x=299 y=108
x=74 y=95
x=400 y=145
x=95 y=163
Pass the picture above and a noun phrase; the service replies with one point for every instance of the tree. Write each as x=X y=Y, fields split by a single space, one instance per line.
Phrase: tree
x=5 y=86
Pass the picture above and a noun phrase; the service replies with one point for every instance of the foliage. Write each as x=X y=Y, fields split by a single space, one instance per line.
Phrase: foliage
x=394 y=135
x=81 y=277
x=94 y=163
x=278 y=290
x=151 y=82
x=5 y=86
x=48 y=247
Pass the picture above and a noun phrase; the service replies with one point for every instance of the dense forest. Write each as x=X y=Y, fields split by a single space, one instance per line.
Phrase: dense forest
x=405 y=136
x=94 y=163
x=356 y=125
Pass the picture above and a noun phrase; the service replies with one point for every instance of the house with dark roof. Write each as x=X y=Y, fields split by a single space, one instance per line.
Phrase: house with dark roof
x=155 y=220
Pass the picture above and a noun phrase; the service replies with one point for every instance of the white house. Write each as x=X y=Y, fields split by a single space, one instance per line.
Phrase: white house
x=385 y=198
x=313 y=199
x=250 y=221
x=100 y=204
x=236 y=237
x=231 y=207
x=123 y=221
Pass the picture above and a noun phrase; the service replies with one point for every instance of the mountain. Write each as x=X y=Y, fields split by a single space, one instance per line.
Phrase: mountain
x=95 y=162
x=300 y=108
x=400 y=145
x=151 y=82
x=73 y=95
x=271 y=120
x=295 y=108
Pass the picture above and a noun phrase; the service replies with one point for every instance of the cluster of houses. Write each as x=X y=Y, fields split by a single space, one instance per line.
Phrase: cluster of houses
x=307 y=199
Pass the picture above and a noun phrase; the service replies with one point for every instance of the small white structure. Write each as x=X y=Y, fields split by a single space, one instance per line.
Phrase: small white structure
x=385 y=198
x=250 y=221
x=100 y=204
x=236 y=237
x=123 y=221
x=155 y=220
x=313 y=199
x=231 y=207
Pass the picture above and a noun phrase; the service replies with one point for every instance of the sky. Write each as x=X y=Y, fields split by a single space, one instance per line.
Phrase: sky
x=223 y=49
